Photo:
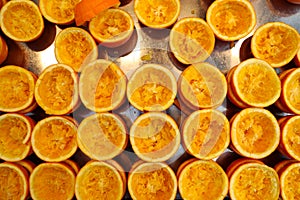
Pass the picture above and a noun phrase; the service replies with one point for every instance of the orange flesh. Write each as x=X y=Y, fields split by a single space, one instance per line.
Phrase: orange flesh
x=231 y=18
x=152 y=184
x=202 y=181
x=12 y=135
x=21 y=20
x=99 y=182
x=257 y=84
x=17 y=89
x=154 y=134
x=292 y=184
x=276 y=43
x=255 y=133
x=11 y=184
x=57 y=89
x=52 y=183
x=55 y=138
x=292 y=137
x=110 y=23
x=293 y=91
x=157 y=12
x=103 y=135
x=207 y=135
x=253 y=183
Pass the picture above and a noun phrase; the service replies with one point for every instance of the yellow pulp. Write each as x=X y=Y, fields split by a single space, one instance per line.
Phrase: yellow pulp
x=11 y=184
x=293 y=91
x=292 y=185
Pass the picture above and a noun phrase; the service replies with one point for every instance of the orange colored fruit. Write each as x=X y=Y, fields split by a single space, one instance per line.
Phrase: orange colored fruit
x=99 y=180
x=102 y=86
x=112 y=27
x=15 y=136
x=255 y=133
x=237 y=163
x=231 y=20
x=27 y=164
x=202 y=85
x=294 y=1
x=3 y=50
x=297 y=58
x=75 y=47
x=152 y=87
x=16 y=88
x=21 y=20
x=206 y=134
x=202 y=179
x=154 y=137
x=152 y=181
x=191 y=40
x=13 y=181
x=73 y=165
x=58 y=12
x=256 y=83
x=281 y=166
x=157 y=14
x=56 y=90
x=54 y=139
x=52 y=181
x=254 y=181
x=275 y=42
x=102 y=136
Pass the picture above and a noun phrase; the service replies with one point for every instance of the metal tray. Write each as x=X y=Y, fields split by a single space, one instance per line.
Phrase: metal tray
x=153 y=44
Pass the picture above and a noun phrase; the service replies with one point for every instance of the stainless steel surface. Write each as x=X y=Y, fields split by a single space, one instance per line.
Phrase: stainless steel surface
x=153 y=45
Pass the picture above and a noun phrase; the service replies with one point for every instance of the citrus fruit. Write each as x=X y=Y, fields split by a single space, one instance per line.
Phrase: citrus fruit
x=16 y=88
x=73 y=165
x=202 y=179
x=151 y=87
x=206 y=134
x=15 y=136
x=294 y=1
x=154 y=137
x=112 y=27
x=3 y=50
x=202 y=85
x=231 y=20
x=238 y=162
x=275 y=42
x=75 y=47
x=2 y=2
x=297 y=58
x=102 y=136
x=54 y=139
x=102 y=86
x=27 y=164
x=256 y=83
x=150 y=181
x=58 y=12
x=254 y=181
x=13 y=181
x=99 y=180
x=191 y=40
x=21 y=20
x=281 y=165
x=255 y=133
x=157 y=14
x=56 y=90
x=52 y=181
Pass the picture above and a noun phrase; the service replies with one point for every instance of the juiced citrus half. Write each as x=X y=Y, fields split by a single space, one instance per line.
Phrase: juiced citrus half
x=206 y=134
x=3 y=50
x=54 y=139
x=202 y=180
x=191 y=40
x=75 y=47
x=202 y=85
x=152 y=87
x=275 y=42
x=21 y=20
x=151 y=181
x=56 y=90
x=255 y=133
x=16 y=88
x=52 y=181
x=297 y=58
x=231 y=19
x=154 y=137
x=13 y=181
x=112 y=27
x=15 y=136
x=254 y=181
x=99 y=180
x=156 y=13
x=57 y=11
x=102 y=136
x=102 y=86
x=256 y=83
